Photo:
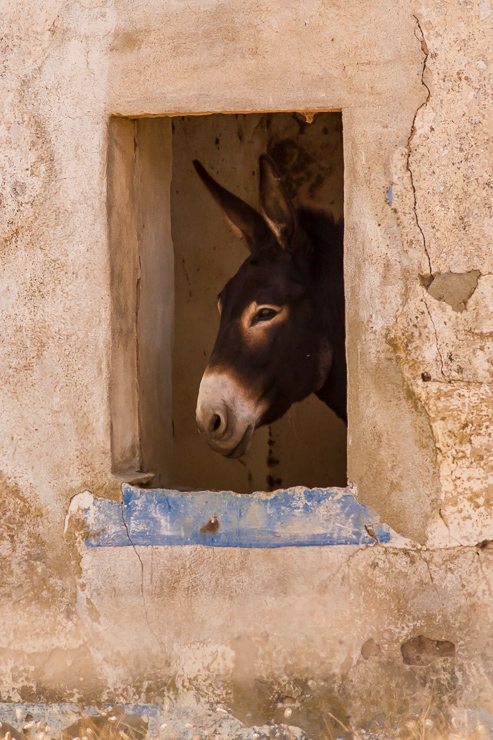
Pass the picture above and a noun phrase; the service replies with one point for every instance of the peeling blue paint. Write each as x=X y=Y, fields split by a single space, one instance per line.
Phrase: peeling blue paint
x=389 y=195
x=296 y=517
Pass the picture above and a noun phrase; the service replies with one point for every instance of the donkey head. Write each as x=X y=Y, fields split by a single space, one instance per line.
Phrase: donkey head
x=271 y=349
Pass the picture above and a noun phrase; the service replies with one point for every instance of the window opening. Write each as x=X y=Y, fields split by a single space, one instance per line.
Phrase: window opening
x=178 y=253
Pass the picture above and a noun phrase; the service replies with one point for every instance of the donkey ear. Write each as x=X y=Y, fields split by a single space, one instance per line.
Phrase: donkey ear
x=276 y=205
x=244 y=220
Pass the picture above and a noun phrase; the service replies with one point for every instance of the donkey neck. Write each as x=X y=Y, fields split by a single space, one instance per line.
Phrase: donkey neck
x=327 y=270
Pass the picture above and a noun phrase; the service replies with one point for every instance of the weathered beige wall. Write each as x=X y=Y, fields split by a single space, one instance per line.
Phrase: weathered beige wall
x=413 y=80
x=450 y=159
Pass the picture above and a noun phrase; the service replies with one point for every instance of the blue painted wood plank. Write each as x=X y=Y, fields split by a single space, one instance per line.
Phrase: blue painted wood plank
x=295 y=517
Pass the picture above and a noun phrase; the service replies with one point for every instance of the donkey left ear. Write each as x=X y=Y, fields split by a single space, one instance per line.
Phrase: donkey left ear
x=276 y=205
x=244 y=219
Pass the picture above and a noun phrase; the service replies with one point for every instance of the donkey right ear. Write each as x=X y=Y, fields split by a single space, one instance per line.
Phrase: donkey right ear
x=244 y=220
x=276 y=205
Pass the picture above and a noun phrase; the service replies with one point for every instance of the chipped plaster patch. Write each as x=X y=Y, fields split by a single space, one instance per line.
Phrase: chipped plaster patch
x=454 y=288
x=79 y=504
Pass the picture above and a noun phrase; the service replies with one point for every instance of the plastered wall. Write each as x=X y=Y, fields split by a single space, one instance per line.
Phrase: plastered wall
x=413 y=81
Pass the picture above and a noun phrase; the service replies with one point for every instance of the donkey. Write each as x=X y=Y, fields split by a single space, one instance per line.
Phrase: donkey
x=281 y=335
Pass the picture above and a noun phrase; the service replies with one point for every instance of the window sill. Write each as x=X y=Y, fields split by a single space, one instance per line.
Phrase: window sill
x=296 y=517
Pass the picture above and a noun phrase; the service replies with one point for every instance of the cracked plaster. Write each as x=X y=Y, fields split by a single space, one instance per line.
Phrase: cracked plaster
x=452 y=344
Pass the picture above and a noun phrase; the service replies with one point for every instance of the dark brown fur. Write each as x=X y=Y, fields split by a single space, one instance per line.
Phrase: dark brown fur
x=296 y=262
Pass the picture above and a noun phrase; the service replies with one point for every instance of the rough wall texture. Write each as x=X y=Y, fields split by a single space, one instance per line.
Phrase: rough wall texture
x=413 y=80
x=443 y=337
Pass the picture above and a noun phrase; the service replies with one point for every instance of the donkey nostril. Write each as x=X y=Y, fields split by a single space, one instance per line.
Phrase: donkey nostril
x=215 y=423
x=212 y=422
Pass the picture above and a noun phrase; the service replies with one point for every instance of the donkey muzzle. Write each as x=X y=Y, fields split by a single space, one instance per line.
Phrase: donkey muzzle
x=226 y=416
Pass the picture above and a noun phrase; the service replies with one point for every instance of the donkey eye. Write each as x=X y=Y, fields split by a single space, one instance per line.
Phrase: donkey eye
x=264 y=314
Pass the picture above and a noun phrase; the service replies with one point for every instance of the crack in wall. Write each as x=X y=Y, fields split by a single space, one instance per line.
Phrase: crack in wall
x=425 y=51
x=369 y=529
x=359 y=549
x=371 y=533
x=425 y=561
x=440 y=356
x=142 y=591
x=442 y=517
x=446 y=378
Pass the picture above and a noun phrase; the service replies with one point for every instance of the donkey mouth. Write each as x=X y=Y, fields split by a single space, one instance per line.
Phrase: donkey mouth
x=225 y=449
x=242 y=445
x=226 y=415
